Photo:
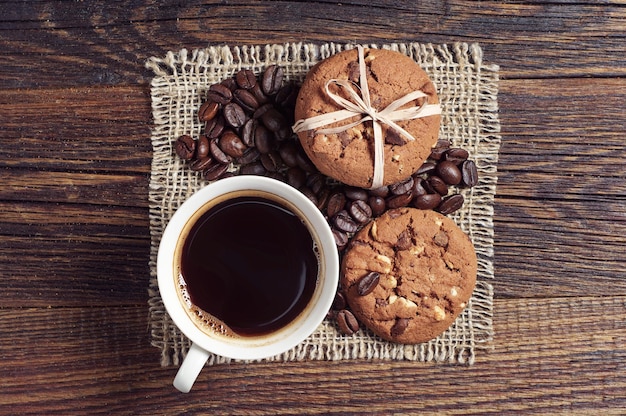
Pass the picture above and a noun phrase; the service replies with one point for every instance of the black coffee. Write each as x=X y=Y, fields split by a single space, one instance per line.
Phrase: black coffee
x=250 y=263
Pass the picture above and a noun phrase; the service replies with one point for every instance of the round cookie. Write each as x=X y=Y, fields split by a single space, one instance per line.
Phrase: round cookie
x=408 y=274
x=348 y=156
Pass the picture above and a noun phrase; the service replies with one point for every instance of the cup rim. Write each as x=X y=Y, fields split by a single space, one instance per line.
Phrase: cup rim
x=238 y=349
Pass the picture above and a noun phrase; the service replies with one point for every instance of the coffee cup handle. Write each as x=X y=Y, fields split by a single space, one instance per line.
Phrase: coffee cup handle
x=190 y=368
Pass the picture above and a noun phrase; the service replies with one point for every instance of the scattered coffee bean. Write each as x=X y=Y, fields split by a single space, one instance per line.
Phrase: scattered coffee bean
x=271 y=161
x=217 y=153
x=234 y=115
x=263 y=139
x=427 y=201
x=346 y=322
x=231 y=144
x=273 y=120
x=219 y=93
x=469 y=173
x=202 y=147
x=215 y=171
x=449 y=172
x=208 y=110
x=336 y=203
x=367 y=283
x=341 y=239
x=214 y=127
x=377 y=204
x=250 y=155
x=185 y=147
x=439 y=149
x=340 y=301
x=296 y=177
x=199 y=165
x=456 y=155
x=272 y=79
x=438 y=185
x=356 y=193
x=402 y=187
x=450 y=204
x=427 y=167
x=344 y=222
x=245 y=99
x=255 y=168
x=398 y=201
x=246 y=79
x=360 y=211
x=382 y=192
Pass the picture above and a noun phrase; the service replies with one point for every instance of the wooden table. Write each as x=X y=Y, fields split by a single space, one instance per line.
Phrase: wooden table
x=75 y=150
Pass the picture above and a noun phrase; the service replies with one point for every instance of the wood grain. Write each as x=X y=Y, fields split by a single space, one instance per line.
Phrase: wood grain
x=75 y=159
x=107 y=43
x=582 y=338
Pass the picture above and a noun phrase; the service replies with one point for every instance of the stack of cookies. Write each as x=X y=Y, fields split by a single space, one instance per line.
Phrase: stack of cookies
x=410 y=272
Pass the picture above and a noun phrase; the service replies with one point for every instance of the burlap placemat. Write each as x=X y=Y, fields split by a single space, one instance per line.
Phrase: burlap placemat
x=467 y=89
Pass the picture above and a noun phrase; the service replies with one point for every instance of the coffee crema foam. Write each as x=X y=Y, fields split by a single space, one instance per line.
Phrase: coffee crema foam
x=202 y=318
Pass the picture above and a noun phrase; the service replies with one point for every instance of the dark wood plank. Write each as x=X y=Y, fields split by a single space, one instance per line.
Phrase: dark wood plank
x=549 y=356
x=96 y=129
x=89 y=44
x=73 y=255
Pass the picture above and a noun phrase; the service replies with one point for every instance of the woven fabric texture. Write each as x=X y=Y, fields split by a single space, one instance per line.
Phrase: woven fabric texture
x=467 y=89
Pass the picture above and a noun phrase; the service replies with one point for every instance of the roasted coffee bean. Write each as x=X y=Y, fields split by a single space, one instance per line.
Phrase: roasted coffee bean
x=208 y=110
x=322 y=198
x=341 y=238
x=216 y=171
x=469 y=172
x=263 y=139
x=272 y=79
x=271 y=161
x=383 y=191
x=346 y=322
x=231 y=144
x=289 y=154
x=219 y=93
x=202 y=147
x=354 y=193
x=399 y=327
x=304 y=163
x=284 y=133
x=401 y=187
x=257 y=91
x=418 y=187
x=316 y=182
x=199 y=165
x=367 y=283
x=229 y=83
x=309 y=194
x=185 y=147
x=217 y=153
x=450 y=204
x=456 y=155
x=273 y=120
x=254 y=168
x=344 y=222
x=262 y=109
x=234 y=115
x=378 y=205
x=438 y=185
x=427 y=201
x=246 y=79
x=339 y=302
x=245 y=99
x=336 y=203
x=250 y=155
x=248 y=130
x=449 y=172
x=439 y=149
x=398 y=201
x=286 y=96
x=214 y=127
x=360 y=211
x=296 y=177
x=427 y=167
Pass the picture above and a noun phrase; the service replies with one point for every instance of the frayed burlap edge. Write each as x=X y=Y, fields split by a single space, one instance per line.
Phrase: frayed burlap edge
x=467 y=89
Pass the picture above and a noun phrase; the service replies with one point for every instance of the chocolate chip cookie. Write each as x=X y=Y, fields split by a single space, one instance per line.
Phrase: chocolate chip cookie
x=348 y=156
x=408 y=274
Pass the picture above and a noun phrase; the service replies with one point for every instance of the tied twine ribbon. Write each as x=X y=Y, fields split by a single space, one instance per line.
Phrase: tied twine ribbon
x=361 y=105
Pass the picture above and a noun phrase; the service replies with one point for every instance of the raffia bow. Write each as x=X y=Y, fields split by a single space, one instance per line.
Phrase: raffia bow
x=361 y=105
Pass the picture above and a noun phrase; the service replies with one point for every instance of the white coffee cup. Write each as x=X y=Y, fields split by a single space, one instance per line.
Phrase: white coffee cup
x=204 y=340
